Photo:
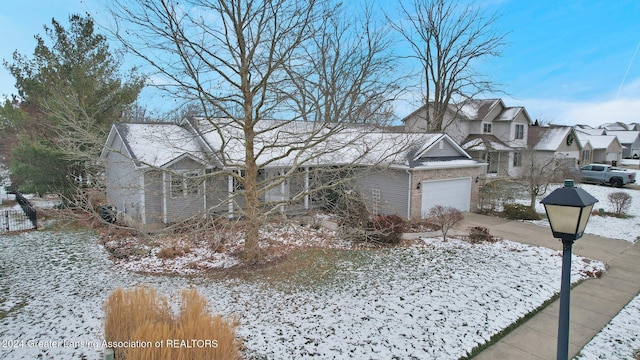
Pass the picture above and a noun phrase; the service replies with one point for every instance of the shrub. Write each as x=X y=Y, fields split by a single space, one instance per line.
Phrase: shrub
x=352 y=210
x=445 y=217
x=387 y=228
x=173 y=251
x=620 y=201
x=494 y=194
x=142 y=315
x=479 y=234
x=519 y=212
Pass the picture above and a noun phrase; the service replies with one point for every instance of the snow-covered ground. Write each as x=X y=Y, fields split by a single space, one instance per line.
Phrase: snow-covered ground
x=620 y=339
x=607 y=226
x=430 y=300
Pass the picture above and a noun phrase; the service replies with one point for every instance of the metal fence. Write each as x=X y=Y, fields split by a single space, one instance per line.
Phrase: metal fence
x=16 y=220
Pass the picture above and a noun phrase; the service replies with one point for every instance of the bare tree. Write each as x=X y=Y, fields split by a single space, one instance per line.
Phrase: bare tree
x=449 y=39
x=620 y=201
x=446 y=217
x=540 y=167
x=245 y=62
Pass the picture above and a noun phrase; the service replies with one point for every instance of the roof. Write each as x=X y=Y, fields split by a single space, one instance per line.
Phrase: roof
x=475 y=109
x=590 y=131
x=484 y=142
x=548 y=138
x=277 y=143
x=155 y=144
x=616 y=126
x=479 y=110
x=625 y=137
x=596 y=141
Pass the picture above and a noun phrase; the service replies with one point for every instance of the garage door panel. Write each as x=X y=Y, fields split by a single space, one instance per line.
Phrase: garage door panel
x=450 y=192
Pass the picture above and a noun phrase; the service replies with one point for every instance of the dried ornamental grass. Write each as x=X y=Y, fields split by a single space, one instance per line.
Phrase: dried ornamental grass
x=125 y=311
x=194 y=334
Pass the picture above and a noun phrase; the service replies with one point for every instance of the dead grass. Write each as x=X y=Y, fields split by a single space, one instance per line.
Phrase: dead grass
x=140 y=314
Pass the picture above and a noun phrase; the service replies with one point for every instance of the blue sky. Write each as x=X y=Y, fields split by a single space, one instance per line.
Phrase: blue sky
x=567 y=62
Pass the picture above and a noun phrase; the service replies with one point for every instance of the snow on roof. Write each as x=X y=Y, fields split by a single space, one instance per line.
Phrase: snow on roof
x=596 y=141
x=476 y=109
x=548 y=138
x=625 y=137
x=590 y=131
x=509 y=114
x=484 y=143
x=616 y=126
x=277 y=143
x=157 y=144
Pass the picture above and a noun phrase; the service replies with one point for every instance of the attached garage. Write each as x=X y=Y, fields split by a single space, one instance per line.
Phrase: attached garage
x=447 y=192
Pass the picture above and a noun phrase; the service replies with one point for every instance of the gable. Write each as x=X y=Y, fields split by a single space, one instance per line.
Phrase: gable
x=443 y=147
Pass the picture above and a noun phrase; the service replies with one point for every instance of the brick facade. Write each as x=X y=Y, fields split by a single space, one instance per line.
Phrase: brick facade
x=443 y=174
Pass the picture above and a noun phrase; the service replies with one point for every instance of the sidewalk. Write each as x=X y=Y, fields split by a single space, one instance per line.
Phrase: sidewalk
x=593 y=303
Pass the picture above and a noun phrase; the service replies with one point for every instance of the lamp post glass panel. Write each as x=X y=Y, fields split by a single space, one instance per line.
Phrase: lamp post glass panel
x=568 y=210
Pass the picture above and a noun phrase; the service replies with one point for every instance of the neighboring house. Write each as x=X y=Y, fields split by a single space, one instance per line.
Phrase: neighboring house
x=604 y=148
x=161 y=173
x=487 y=129
x=555 y=143
x=615 y=126
x=586 y=156
x=630 y=141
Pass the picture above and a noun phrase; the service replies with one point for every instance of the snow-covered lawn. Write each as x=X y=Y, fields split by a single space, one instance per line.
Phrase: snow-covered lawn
x=607 y=226
x=619 y=339
x=430 y=300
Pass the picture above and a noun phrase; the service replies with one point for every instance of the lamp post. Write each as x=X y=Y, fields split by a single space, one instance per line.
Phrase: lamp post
x=568 y=211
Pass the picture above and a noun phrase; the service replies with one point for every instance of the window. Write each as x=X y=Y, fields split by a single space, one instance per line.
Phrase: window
x=375 y=201
x=192 y=184
x=238 y=185
x=186 y=184
x=519 y=131
x=517 y=159
x=176 y=186
x=486 y=128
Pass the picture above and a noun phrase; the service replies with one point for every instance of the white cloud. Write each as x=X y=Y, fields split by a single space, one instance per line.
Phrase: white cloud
x=622 y=106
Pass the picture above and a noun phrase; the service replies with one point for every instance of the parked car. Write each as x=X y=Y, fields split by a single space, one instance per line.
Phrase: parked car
x=606 y=174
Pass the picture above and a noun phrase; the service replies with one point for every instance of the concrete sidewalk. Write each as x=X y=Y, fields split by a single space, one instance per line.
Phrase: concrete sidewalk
x=593 y=303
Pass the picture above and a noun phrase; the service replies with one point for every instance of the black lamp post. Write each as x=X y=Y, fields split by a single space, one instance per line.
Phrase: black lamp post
x=568 y=211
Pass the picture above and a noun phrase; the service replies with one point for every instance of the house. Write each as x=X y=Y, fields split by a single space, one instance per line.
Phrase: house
x=161 y=173
x=630 y=141
x=555 y=143
x=604 y=148
x=615 y=126
x=487 y=129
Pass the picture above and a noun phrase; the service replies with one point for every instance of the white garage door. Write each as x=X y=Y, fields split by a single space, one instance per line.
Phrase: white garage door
x=451 y=192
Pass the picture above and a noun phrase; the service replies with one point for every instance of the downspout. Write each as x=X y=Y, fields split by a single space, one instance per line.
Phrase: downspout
x=164 y=197
x=142 y=209
x=306 y=188
x=230 y=195
x=204 y=192
x=409 y=195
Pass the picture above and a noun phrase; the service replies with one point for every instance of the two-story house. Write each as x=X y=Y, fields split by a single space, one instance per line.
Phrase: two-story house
x=487 y=129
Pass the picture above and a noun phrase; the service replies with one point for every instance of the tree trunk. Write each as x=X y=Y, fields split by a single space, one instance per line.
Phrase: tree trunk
x=532 y=200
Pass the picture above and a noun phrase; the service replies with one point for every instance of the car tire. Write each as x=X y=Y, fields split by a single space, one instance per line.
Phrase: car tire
x=616 y=183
